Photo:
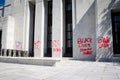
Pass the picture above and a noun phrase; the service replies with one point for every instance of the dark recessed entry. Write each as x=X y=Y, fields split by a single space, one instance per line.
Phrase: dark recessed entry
x=49 y=29
x=68 y=29
x=116 y=31
x=0 y=40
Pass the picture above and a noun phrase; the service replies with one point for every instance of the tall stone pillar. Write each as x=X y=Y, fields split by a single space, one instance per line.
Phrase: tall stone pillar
x=39 y=29
x=57 y=29
x=84 y=32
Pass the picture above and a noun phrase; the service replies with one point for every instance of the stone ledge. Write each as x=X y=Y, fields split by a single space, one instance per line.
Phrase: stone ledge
x=30 y=60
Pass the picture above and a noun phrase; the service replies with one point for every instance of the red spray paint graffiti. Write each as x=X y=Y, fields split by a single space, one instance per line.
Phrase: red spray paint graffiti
x=18 y=45
x=55 y=46
x=103 y=42
x=85 y=45
x=36 y=44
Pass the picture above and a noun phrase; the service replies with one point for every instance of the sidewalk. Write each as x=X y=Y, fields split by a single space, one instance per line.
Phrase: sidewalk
x=64 y=70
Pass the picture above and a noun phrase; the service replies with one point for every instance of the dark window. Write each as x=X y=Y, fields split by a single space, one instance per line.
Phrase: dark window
x=116 y=31
x=68 y=28
x=0 y=40
x=49 y=29
x=31 y=30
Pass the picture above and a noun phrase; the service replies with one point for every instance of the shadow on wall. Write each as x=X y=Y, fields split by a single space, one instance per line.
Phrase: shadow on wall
x=104 y=28
x=85 y=28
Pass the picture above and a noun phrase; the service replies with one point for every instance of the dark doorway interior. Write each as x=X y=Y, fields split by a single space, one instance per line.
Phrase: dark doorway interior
x=0 y=40
x=49 y=29
x=68 y=29
x=31 y=29
x=116 y=31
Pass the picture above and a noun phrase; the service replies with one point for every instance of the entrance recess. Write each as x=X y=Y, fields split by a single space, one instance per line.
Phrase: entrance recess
x=0 y=39
x=68 y=29
x=116 y=32
x=31 y=30
x=49 y=29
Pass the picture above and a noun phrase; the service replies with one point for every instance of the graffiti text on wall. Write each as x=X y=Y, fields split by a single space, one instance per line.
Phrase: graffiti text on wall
x=36 y=44
x=18 y=45
x=55 y=46
x=103 y=42
x=85 y=45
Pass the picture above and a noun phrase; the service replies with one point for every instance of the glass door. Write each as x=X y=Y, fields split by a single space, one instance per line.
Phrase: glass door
x=116 y=32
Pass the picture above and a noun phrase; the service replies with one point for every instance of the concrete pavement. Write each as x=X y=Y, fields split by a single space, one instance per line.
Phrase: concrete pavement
x=64 y=70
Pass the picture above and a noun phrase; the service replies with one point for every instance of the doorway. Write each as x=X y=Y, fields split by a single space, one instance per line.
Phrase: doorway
x=49 y=29
x=68 y=29
x=116 y=32
x=0 y=40
x=31 y=29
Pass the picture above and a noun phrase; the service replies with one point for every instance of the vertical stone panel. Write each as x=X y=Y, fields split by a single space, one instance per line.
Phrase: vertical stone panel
x=39 y=29
x=57 y=29
x=104 y=28
x=84 y=46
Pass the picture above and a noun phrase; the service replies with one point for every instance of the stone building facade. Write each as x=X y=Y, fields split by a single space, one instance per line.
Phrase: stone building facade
x=80 y=29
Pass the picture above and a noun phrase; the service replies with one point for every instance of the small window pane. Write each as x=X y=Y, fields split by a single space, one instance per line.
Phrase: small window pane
x=69 y=27
x=49 y=36
x=69 y=36
x=49 y=44
x=69 y=8
x=69 y=43
x=49 y=29
x=117 y=18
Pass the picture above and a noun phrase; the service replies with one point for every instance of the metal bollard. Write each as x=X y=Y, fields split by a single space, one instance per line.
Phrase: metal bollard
x=26 y=54
x=5 y=52
x=19 y=53
x=10 y=52
x=14 y=53
x=1 y=52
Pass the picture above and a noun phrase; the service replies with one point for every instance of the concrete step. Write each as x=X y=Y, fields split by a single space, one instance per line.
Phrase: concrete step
x=30 y=60
x=68 y=62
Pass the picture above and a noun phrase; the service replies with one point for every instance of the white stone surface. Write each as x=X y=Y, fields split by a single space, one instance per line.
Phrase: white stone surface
x=39 y=29
x=104 y=26
x=30 y=61
x=65 y=70
x=0 y=11
x=91 y=19
x=10 y=33
x=84 y=28
x=57 y=28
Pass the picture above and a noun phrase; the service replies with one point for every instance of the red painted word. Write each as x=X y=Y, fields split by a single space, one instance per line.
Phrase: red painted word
x=104 y=42
x=86 y=51
x=85 y=45
x=55 y=46
x=18 y=45
x=84 y=40
x=55 y=43
x=56 y=50
x=36 y=44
